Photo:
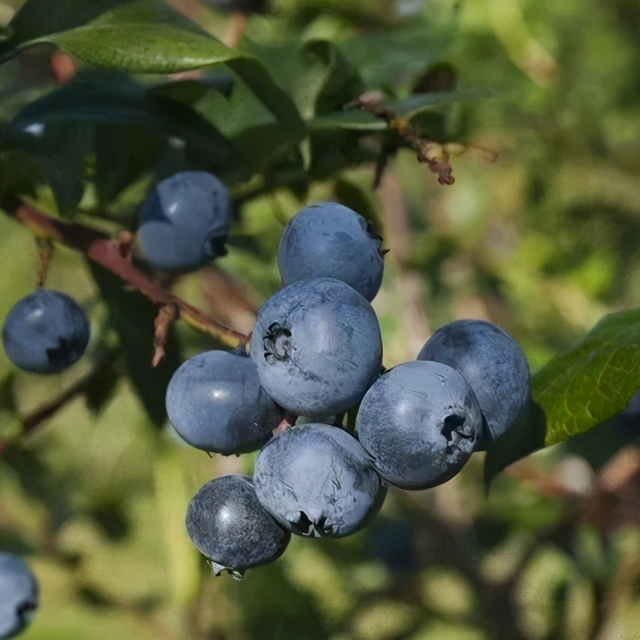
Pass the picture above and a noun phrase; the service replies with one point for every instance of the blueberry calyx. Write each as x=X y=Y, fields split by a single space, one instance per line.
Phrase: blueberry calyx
x=277 y=343
x=456 y=428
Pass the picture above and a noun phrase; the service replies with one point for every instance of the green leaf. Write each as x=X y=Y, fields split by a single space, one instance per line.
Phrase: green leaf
x=132 y=316
x=113 y=99
x=39 y=18
x=146 y=36
x=332 y=80
x=593 y=381
x=62 y=155
x=386 y=57
x=123 y=154
x=350 y=120
x=434 y=101
x=256 y=134
x=576 y=391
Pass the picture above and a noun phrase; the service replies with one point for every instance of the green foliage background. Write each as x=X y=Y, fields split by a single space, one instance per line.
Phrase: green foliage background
x=543 y=240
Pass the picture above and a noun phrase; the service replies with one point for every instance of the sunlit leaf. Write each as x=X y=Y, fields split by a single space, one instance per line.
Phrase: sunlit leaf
x=577 y=390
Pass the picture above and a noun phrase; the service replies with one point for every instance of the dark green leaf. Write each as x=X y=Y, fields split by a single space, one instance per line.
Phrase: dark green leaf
x=387 y=57
x=436 y=101
x=331 y=80
x=525 y=436
x=103 y=381
x=355 y=197
x=39 y=18
x=146 y=36
x=122 y=155
x=351 y=120
x=62 y=156
x=132 y=316
x=112 y=99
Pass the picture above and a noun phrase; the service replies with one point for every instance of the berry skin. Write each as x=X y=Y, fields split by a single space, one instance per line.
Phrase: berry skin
x=45 y=332
x=318 y=480
x=317 y=346
x=492 y=363
x=228 y=526
x=329 y=240
x=18 y=595
x=419 y=422
x=240 y=6
x=215 y=402
x=185 y=221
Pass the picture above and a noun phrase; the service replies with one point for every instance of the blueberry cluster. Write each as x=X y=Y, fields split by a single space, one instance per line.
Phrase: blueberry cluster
x=18 y=595
x=314 y=357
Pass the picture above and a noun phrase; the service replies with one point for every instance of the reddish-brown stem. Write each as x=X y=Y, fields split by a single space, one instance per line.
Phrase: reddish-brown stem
x=108 y=253
x=288 y=420
x=45 y=253
x=431 y=153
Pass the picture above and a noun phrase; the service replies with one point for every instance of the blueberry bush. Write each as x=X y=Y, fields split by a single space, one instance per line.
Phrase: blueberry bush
x=338 y=299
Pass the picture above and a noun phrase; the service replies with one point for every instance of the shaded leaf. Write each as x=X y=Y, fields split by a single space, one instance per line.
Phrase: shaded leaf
x=102 y=383
x=147 y=36
x=526 y=435
x=350 y=120
x=133 y=318
x=436 y=101
x=122 y=155
x=62 y=155
x=113 y=99
x=38 y=18
x=387 y=57
x=330 y=78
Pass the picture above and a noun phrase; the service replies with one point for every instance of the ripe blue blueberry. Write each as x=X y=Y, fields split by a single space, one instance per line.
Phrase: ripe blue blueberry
x=185 y=221
x=492 y=363
x=228 y=525
x=419 y=422
x=317 y=480
x=216 y=403
x=317 y=345
x=329 y=240
x=45 y=332
x=18 y=595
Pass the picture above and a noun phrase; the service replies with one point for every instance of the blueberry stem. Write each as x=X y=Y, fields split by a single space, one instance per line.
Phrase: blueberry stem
x=288 y=420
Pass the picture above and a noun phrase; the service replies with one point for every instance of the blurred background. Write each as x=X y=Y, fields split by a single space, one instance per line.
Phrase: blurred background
x=539 y=234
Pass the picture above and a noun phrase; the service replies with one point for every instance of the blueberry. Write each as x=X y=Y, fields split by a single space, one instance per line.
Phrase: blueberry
x=216 y=403
x=228 y=526
x=318 y=480
x=18 y=595
x=240 y=6
x=45 y=332
x=492 y=363
x=185 y=221
x=330 y=240
x=317 y=345
x=419 y=422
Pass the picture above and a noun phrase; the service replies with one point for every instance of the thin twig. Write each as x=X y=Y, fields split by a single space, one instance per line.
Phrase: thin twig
x=433 y=154
x=107 y=252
